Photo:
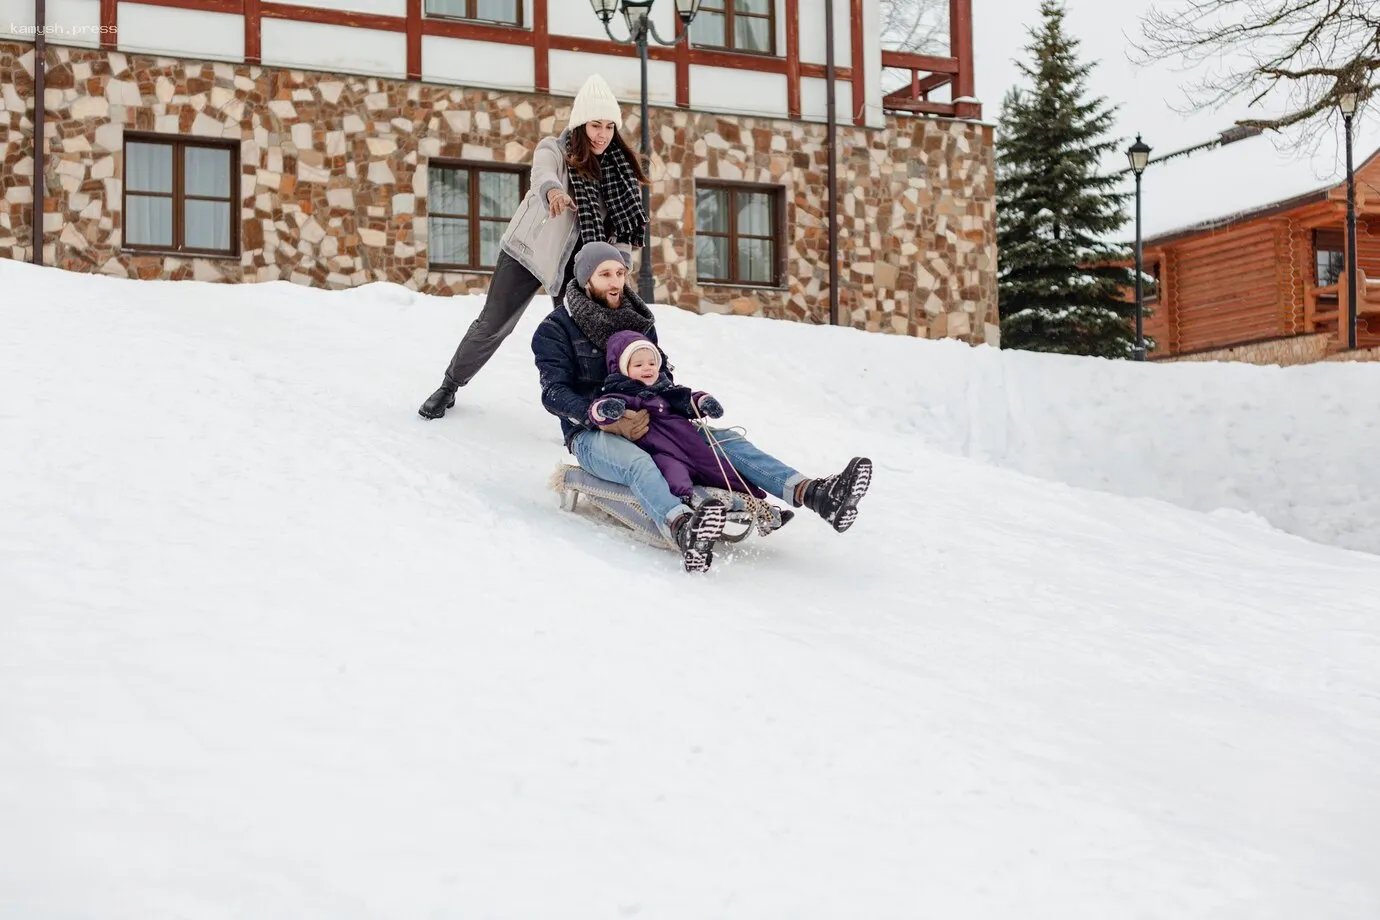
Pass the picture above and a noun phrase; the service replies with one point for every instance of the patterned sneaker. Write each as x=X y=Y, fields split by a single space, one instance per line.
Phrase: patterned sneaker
x=835 y=498
x=768 y=518
x=696 y=532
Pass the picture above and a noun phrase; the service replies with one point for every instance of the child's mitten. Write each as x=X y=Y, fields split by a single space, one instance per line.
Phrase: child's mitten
x=608 y=409
x=709 y=407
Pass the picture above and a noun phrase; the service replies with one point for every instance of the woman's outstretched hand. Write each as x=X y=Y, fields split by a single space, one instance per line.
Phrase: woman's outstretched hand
x=559 y=201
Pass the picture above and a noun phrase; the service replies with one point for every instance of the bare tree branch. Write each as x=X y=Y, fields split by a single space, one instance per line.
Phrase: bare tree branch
x=1335 y=72
x=919 y=26
x=1292 y=59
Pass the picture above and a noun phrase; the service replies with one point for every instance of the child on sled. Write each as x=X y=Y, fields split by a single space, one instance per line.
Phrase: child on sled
x=679 y=448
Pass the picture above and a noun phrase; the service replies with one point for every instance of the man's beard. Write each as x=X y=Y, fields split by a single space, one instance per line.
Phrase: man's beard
x=603 y=301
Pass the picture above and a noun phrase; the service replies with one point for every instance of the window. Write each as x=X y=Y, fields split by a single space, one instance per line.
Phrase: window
x=1329 y=256
x=468 y=208
x=179 y=196
x=1150 y=287
x=738 y=233
x=504 y=12
x=737 y=25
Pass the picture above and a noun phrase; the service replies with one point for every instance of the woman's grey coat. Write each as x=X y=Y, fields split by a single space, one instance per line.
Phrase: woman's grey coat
x=543 y=244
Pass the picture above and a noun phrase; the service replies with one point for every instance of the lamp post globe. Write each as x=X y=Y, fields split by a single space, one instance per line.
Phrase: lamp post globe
x=604 y=9
x=687 y=9
x=1139 y=155
x=635 y=14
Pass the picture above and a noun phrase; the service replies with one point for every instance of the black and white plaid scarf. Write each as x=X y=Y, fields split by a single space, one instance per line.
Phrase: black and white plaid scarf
x=622 y=197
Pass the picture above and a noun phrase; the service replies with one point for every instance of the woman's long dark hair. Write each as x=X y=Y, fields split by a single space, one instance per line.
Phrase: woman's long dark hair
x=584 y=160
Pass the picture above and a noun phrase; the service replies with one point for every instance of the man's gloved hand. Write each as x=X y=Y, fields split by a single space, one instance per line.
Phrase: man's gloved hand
x=709 y=407
x=633 y=425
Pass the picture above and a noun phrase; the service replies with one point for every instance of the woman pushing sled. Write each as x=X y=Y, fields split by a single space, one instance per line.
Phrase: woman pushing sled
x=586 y=186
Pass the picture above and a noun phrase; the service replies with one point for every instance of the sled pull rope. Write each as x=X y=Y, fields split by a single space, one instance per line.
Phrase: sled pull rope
x=754 y=505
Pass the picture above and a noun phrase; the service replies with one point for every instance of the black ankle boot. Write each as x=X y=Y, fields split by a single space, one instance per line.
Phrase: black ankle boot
x=437 y=403
x=696 y=532
x=835 y=498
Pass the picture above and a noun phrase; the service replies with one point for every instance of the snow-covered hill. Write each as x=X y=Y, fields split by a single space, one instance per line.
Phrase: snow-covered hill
x=273 y=646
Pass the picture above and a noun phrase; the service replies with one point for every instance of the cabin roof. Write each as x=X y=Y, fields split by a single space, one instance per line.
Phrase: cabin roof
x=1279 y=206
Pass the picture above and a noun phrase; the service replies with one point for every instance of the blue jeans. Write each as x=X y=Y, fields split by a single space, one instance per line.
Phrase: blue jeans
x=757 y=466
x=616 y=459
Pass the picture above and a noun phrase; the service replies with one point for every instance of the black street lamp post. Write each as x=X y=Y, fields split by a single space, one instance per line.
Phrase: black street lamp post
x=637 y=14
x=1139 y=155
x=1347 y=104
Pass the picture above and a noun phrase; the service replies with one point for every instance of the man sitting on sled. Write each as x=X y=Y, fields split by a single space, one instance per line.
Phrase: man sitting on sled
x=570 y=348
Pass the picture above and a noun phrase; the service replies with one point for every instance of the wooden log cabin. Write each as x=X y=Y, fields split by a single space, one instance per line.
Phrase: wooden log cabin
x=1272 y=272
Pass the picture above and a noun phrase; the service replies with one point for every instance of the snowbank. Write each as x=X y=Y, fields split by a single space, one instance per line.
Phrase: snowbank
x=1298 y=447
x=274 y=646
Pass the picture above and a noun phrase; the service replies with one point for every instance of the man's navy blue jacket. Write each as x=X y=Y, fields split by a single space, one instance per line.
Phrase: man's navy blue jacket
x=572 y=370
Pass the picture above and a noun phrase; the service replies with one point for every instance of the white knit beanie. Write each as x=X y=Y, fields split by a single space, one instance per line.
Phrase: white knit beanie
x=626 y=357
x=595 y=102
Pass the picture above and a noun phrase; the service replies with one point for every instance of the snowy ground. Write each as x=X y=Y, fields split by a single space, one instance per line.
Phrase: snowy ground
x=273 y=646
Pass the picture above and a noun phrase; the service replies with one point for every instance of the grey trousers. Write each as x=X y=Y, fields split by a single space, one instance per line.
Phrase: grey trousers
x=510 y=292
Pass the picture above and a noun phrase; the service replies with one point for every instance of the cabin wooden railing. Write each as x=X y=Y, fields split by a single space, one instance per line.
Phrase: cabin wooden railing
x=1367 y=294
x=1324 y=306
x=1320 y=306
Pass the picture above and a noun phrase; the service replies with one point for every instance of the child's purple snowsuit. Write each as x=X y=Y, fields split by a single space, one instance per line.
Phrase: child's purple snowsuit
x=677 y=447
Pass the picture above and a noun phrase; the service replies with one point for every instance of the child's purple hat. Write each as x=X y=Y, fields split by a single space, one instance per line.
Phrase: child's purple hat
x=621 y=347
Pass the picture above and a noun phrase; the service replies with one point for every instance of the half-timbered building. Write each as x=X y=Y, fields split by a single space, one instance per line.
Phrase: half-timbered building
x=335 y=143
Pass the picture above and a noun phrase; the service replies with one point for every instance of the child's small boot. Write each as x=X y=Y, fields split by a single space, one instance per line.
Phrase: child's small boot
x=769 y=518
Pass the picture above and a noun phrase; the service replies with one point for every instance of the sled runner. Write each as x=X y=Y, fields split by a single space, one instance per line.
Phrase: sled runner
x=610 y=500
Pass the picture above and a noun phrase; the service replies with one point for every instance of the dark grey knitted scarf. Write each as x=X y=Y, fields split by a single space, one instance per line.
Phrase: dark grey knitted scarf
x=598 y=322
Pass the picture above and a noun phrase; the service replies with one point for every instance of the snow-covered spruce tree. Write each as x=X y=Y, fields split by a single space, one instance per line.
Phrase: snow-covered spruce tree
x=1055 y=212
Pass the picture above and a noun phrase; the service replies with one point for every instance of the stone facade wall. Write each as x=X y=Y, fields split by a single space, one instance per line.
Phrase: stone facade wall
x=16 y=150
x=1298 y=349
x=333 y=185
x=1284 y=352
x=1364 y=355
x=917 y=240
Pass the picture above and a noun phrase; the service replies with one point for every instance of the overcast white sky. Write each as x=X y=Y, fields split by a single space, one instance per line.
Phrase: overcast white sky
x=1205 y=185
